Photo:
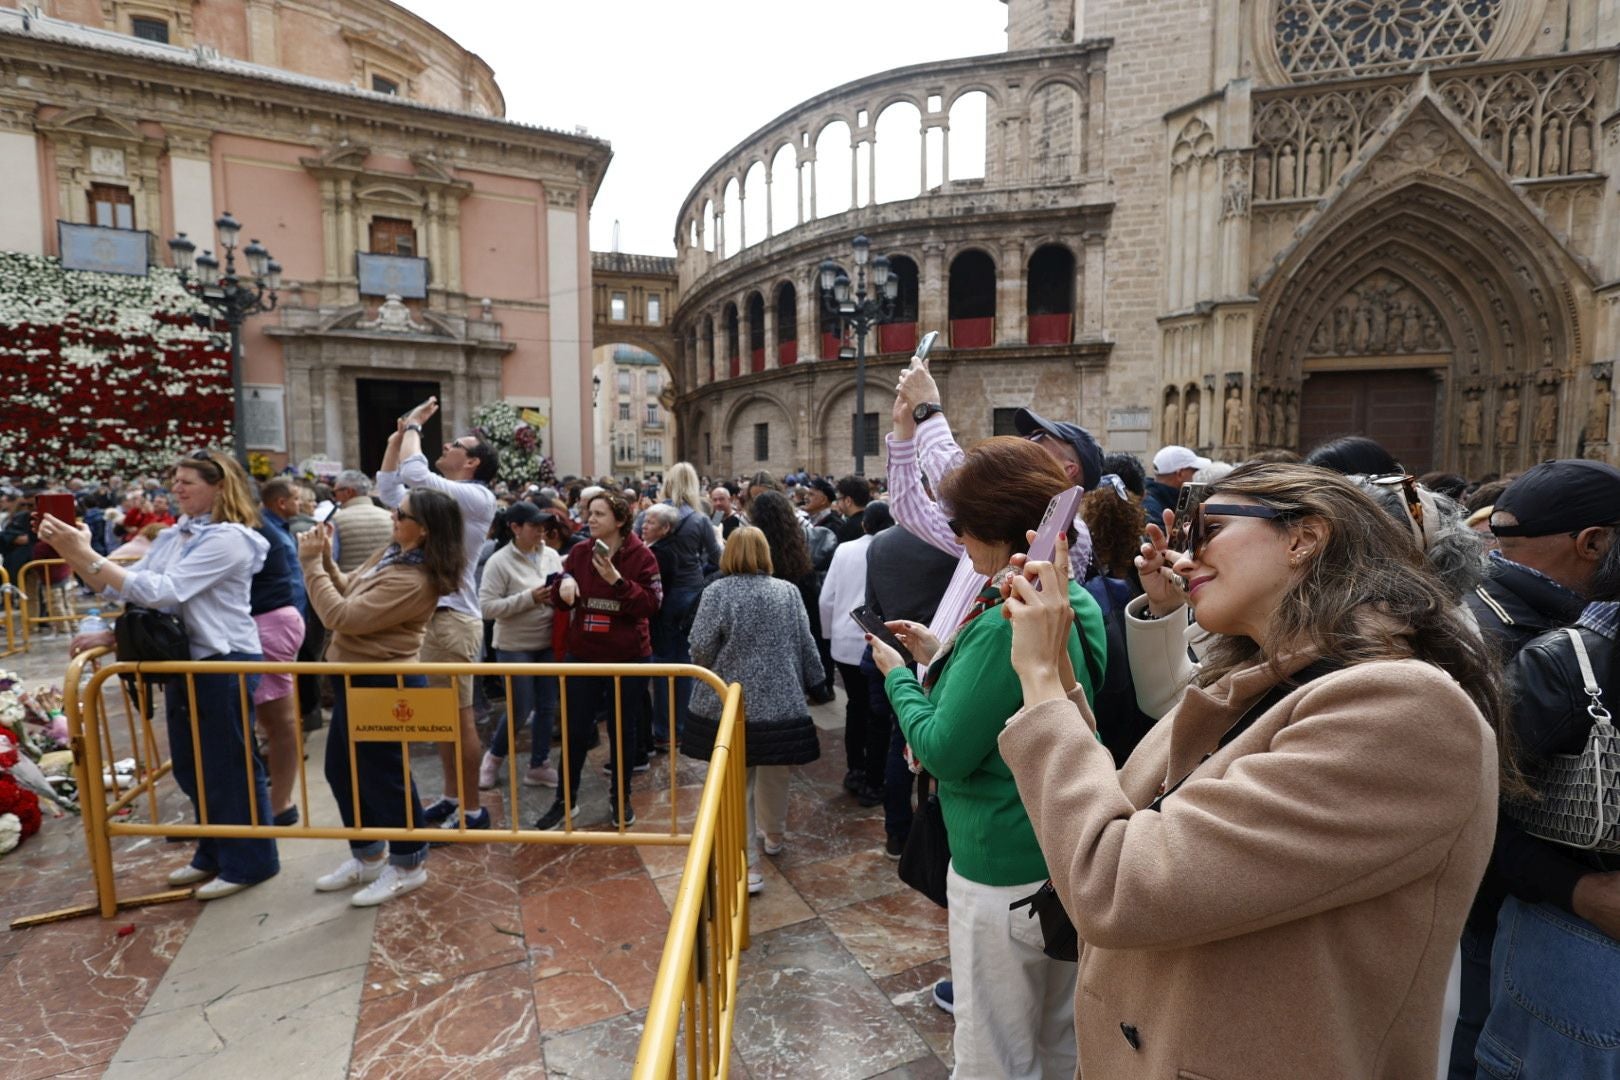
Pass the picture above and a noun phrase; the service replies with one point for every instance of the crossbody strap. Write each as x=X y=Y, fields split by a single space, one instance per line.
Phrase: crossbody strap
x=1595 y=708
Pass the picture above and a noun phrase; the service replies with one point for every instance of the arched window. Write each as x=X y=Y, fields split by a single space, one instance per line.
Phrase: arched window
x=970 y=119
x=1319 y=39
x=756 y=332
x=784 y=189
x=732 y=220
x=733 y=350
x=787 y=325
x=833 y=169
x=973 y=301
x=899 y=153
x=831 y=333
x=692 y=238
x=899 y=334
x=1054 y=133
x=1051 y=295
x=708 y=225
x=706 y=349
x=757 y=198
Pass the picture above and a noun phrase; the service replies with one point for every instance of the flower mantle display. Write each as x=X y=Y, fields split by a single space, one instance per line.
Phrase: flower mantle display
x=104 y=373
x=518 y=441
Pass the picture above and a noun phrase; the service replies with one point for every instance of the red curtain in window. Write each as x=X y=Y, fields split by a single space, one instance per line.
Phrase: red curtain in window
x=787 y=353
x=736 y=365
x=757 y=360
x=897 y=337
x=973 y=333
x=1049 y=329
x=829 y=346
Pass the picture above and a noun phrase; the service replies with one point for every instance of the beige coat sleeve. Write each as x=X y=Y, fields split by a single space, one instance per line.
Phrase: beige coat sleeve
x=1363 y=791
x=1157 y=650
x=395 y=595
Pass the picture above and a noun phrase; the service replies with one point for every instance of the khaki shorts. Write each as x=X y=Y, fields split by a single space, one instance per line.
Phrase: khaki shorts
x=453 y=638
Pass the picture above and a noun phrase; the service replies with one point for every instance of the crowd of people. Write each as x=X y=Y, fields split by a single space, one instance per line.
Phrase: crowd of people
x=1253 y=725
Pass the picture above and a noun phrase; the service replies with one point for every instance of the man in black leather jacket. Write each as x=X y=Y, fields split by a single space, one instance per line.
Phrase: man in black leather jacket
x=1554 y=528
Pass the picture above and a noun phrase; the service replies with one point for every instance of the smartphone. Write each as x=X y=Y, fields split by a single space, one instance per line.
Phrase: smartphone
x=868 y=620
x=1191 y=495
x=924 y=346
x=1059 y=517
x=551 y=582
x=601 y=548
x=63 y=507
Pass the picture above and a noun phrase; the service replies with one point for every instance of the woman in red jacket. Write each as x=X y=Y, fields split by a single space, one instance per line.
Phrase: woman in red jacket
x=610 y=597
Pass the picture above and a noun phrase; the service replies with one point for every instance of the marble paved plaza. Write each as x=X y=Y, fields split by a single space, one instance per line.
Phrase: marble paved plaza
x=513 y=961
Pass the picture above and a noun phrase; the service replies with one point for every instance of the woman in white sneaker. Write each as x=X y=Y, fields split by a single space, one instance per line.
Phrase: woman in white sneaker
x=379 y=614
x=516 y=595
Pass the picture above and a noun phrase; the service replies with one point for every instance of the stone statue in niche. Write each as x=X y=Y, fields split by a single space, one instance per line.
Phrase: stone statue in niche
x=1292 y=439
x=1322 y=339
x=1546 y=425
x=1341 y=329
x=1313 y=169
x=1262 y=175
x=1473 y=421
x=1361 y=329
x=1234 y=416
x=1597 y=412
x=1172 y=420
x=1285 y=173
x=1279 y=418
x=1189 y=422
x=1519 y=152
x=1580 y=149
x=1431 y=333
x=1552 y=148
x=1507 y=419
x=1341 y=159
x=1378 y=312
x=1412 y=332
x=1395 y=329
x=1262 y=419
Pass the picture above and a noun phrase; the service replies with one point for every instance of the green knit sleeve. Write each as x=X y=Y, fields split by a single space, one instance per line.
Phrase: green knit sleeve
x=954 y=731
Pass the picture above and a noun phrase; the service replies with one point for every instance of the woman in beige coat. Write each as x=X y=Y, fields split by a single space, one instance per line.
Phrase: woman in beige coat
x=1273 y=885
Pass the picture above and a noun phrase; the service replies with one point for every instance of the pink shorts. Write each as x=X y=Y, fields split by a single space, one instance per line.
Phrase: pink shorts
x=281 y=634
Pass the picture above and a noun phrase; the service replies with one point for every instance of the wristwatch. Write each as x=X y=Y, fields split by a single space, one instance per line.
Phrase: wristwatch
x=90 y=571
x=925 y=410
x=413 y=426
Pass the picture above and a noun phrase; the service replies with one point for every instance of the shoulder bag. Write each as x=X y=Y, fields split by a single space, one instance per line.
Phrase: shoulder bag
x=142 y=633
x=1578 y=800
x=927 y=854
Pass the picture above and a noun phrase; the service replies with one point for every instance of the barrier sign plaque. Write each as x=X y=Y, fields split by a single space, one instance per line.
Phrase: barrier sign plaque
x=384 y=714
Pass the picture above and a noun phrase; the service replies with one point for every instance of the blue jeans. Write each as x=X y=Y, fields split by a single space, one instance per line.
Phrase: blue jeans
x=381 y=779
x=230 y=794
x=1555 y=998
x=1473 y=1004
x=532 y=698
x=671 y=645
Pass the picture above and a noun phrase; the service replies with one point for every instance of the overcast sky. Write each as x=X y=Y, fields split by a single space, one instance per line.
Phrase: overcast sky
x=675 y=85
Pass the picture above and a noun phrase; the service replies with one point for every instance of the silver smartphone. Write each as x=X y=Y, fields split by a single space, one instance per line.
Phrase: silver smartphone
x=923 y=346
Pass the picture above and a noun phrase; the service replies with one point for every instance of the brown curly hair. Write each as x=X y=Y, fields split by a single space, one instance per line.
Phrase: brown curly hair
x=1116 y=528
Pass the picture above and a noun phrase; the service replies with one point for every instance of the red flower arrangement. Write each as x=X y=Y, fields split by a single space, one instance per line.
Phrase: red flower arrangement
x=104 y=374
x=15 y=799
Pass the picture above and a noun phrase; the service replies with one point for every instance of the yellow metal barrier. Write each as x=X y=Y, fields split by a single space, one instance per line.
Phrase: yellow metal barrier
x=693 y=995
x=37 y=595
x=6 y=615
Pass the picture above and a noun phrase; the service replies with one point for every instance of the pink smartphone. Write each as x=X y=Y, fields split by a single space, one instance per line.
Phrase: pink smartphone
x=1059 y=517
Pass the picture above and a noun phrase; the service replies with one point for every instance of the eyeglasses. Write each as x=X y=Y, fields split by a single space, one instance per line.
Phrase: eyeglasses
x=403 y=516
x=1198 y=527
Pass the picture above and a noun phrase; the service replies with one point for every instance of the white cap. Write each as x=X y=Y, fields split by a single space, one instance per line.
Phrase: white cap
x=1175 y=458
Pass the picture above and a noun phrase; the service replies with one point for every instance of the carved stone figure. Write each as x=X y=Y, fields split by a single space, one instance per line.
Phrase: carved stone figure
x=1285 y=173
x=1234 y=416
x=1580 y=149
x=1473 y=421
x=1279 y=418
x=1292 y=441
x=1519 y=152
x=1507 y=419
x=1189 y=422
x=1412 y=334
x=1322 y=339
x=1378 y=312
x=1172 y=420
x=1262 y=175
x=1313 y=169
x=1341 y=159
x=1431 y=333
x=1395 y=331
x=1341 y=329
x=1262 y=419
x=1552 y=148
x=1597 y=412
x=393 y=317
x=1361 y=329
x=1546 y=426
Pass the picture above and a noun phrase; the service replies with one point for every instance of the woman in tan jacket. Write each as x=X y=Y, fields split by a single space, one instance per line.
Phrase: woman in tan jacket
x=1273 y=885
x=378 y=615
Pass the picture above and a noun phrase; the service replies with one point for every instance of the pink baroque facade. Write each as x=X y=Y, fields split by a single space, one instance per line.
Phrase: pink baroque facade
x=336 y=132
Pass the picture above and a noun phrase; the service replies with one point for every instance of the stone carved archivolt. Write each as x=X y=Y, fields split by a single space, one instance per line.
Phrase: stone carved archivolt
x=1382 y=314
x=1536 y=122
x=1318 y=39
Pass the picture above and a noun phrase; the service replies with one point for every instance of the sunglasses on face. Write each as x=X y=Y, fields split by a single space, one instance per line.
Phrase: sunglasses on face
x=1198 y=527
x=956 y=528
x=405 y=516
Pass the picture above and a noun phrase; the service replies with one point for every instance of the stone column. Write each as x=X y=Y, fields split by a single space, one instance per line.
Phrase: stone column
x=1095 y=247
x=809 y=300
x=933 y=307
x=745 y=336
x=771 y=363
x=1012 y=316
x=332 y=413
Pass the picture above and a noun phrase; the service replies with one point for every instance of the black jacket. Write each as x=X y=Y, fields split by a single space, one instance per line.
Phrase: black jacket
x=1515 y=608
x=906 y=576
x=689 y=547
x=1159 y=498
x=1550 y=717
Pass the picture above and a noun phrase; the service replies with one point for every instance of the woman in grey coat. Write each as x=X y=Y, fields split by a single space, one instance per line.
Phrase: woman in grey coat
x=752 y=628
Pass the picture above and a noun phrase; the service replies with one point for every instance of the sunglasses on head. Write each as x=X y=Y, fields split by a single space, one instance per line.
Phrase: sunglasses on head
x=1198 y=525
x=1409 y=491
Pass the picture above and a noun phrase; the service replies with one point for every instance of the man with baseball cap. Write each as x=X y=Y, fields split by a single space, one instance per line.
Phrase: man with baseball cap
x=1172 y=467
x=1554 y=525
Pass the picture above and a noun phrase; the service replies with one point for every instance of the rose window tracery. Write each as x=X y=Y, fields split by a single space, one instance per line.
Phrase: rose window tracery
x=1319 y=39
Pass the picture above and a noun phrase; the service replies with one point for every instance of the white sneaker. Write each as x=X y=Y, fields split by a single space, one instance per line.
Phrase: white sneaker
x=756 y=884
x=353 y=872
x=489 y=771
x=189 y=875
x=390 y=883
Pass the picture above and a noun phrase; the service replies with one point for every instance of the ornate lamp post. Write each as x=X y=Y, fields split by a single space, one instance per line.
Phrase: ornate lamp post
x=855 y=308
x=234 y=298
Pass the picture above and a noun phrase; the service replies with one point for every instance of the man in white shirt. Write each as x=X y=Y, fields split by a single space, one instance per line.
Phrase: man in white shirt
x=866 y=742
x=455 y=633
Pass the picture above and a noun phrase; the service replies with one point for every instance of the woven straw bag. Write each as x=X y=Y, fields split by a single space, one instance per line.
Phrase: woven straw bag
x=1580 y=793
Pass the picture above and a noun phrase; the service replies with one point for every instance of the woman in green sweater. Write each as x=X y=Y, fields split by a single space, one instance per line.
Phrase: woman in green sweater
x=1014 y=1005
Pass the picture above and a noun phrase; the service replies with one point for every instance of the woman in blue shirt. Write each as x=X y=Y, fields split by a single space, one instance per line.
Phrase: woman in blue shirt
x=202 y=569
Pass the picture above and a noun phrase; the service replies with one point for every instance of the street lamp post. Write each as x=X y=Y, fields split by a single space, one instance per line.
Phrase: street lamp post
x=232 y=297
x=855 y=308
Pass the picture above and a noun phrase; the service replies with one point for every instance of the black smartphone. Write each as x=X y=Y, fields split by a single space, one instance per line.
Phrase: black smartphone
x=868 y=620
x=1191 y=495
x=551 y=582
